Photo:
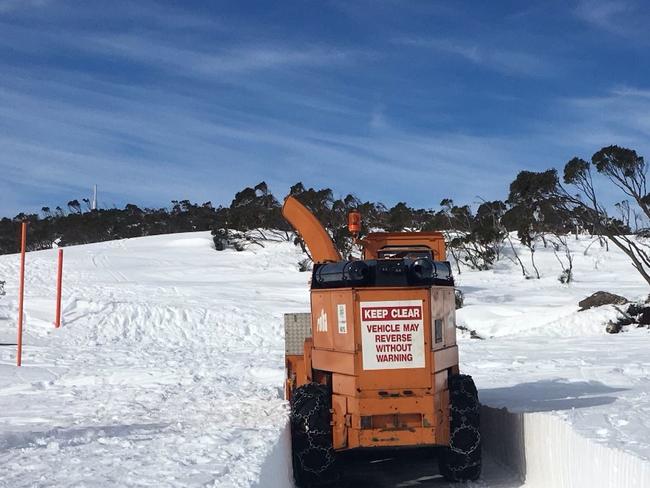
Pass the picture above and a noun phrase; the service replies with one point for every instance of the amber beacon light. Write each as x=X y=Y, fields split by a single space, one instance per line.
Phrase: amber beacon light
x=354 y=222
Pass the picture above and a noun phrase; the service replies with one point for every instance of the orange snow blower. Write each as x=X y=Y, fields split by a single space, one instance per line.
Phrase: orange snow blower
x=375 y=363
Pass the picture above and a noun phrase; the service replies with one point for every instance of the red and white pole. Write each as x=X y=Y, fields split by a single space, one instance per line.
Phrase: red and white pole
x=21 y=294
x=59 y=281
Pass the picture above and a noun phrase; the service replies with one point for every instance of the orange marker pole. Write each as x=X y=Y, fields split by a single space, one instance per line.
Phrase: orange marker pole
x=21 y=294
x=59 y=281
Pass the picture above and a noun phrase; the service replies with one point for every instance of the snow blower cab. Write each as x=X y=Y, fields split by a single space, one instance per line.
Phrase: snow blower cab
x=375 y=363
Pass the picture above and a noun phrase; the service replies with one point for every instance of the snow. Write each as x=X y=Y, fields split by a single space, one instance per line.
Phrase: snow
x=542 y=354
x=548 y=452
x=168 y=369
x=578 y=399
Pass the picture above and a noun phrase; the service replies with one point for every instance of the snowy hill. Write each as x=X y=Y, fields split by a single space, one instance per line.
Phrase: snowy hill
x=168 y=369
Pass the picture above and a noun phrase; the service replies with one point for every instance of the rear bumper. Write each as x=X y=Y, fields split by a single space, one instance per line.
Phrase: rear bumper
x=417 y=436
x=390 y=422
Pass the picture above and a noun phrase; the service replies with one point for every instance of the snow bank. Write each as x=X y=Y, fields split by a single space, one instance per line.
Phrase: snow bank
x=502 y=302
x=167 y=371
x=277 y=471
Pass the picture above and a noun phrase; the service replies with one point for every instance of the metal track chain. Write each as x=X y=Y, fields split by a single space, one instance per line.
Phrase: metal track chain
x=464 y=419
x=307 y=424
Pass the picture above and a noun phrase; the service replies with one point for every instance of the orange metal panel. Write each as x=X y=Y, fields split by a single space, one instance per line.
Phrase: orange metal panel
x=397 y=421
x=342 y=319
x=308 y=348
x=295 y=367
x=386 y=437
x=410 y=420
x=336 y=362
x=321 y=318
x=345 y=385
x=353 y=437
x=449 y=304
x=395 y=393
x=333 y=319
x=440 y=381
x=442 y=417
x=339 y=428
x=381 y=406
x=386 y=421
x=437 y=313
x=445 y=358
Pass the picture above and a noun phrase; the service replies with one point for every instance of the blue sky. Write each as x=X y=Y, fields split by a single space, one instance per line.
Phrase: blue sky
x=390 y=100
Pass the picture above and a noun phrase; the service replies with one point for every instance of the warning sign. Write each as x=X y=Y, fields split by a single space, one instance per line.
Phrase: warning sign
x=392 y=334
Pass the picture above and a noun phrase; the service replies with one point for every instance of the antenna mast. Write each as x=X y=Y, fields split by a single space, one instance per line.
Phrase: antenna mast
x=94 y=205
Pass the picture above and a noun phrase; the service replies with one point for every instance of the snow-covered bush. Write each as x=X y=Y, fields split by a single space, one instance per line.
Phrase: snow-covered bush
x=305 y=265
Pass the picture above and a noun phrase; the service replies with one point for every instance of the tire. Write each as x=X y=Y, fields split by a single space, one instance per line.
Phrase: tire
x=313 y=456
x=461 y=461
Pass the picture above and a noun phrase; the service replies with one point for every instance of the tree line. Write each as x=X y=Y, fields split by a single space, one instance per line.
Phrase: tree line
x=541 y=209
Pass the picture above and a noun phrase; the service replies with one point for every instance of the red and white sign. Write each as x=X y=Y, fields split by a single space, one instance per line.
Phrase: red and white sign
x=392 y=335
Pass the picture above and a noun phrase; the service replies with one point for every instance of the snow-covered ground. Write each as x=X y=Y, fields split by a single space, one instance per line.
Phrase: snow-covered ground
x=168 y=369
x=543 y=355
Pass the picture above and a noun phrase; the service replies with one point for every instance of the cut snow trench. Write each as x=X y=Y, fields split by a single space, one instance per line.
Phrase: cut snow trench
x=546 y=452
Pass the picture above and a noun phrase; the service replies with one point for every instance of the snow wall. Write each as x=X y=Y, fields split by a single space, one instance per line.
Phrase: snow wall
x=277 y=471
x=547 y=452
x=542 y=448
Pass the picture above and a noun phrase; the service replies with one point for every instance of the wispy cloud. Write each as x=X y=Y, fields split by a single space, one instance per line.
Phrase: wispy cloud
x=157 y=102
x=603 y=13
x=13 y=5
x=378 y=119
x=152 y=146
x=621 y=17
x=185 y=55
x=581 y=125
x=623 y=115
x=506 y=61
x=219 y=60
